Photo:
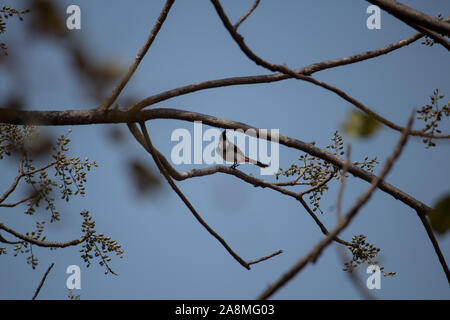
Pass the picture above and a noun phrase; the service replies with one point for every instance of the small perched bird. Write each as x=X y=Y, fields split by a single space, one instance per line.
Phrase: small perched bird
x=231 y=153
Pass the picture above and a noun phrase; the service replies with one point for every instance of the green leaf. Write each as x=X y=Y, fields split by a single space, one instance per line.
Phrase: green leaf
x=440 y=215
x=360 y=125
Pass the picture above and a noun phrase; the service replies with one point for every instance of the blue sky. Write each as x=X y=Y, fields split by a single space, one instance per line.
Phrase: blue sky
x=168 y=254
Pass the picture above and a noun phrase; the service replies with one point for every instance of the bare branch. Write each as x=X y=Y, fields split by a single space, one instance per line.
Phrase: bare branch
x=154 y=32
x=245 y=16
x=40 y=243
x=308 y=70
x=342 y=223
x=292 y=73
x=239 y=174
x=293 y=182
x=3 y=240
x=185 y=200
x=79 y=117
x=12 y=205
x=16 y=180
x=435 y=244
x=42 y=281
x=406 y=13
x=435 y=36
x=265 y=258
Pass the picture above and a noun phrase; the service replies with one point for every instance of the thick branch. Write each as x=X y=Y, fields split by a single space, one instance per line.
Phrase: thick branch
x=79 y=117
x=406 y=13
x=433 y=35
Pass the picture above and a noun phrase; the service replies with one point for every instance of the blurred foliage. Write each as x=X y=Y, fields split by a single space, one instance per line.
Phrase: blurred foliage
x=432 y=114
x=360 y=125
x=440 y=215
x=6 y=13
x=144 y=178
x=47 y=21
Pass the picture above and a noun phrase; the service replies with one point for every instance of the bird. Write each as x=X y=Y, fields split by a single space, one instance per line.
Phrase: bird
x=231 y=153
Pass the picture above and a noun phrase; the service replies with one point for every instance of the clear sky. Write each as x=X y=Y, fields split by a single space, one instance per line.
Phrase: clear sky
x=168 y=254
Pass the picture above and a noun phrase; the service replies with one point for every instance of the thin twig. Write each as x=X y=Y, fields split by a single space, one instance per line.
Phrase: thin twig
x=245 y=16
x=12 y=205
x=342 y=185
x=341 y=251
x=153 y=33
x=308 y=70
x=317 y=186
x=265 y=258
x=42 y=281
x=16 y=179
x=40 y=243
x=435 y=244
x=103 y=259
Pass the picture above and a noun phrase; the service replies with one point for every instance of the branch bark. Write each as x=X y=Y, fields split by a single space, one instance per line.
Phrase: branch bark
x=156 y=157
x=42 y=281
x=40 y=243
x=246 y=15
x=83 y=117
x=406 y=13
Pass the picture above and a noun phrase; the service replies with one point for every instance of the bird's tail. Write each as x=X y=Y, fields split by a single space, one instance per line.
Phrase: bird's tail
x=259 y=164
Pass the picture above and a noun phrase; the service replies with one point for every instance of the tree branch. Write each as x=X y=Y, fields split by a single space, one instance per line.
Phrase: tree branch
x=265 y=258
x=435 y=244
x=40 y=243
x=83 y=117
x=245 y=16
x=308 y=70
x=434 y=35
x=154 y=32
x=163 y=171
x=16 y=180
x=342 y=223
x=42 y=281
x=292 y=73
x=406 y=13
x=239 y=174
